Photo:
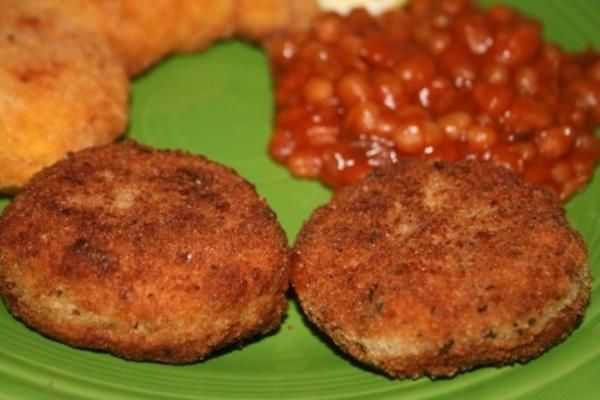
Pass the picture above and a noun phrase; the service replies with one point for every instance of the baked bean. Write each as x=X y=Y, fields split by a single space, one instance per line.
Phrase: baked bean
x=441 y=95
x=492 y=99
x=582 y=164
x=282 y=49
x=386 y=124
x=433 y=133
x=305 y=163
x=569 y=188
x=318 y=90
x=360 y=21
x=496 y=73
x=377 y=50
x=320 y=135
x=527 y=115
x=415 y=72
x=410 y=136
x=552 y=56
x=440 y=79
x=500 y=15
x=281 y=145
x=459 y=66
x=473 y=31
x=351 y=45
x=527 y=81
x=396 y=26
x=389 y=91
x=363 y=118
x=561 y=172
x=555 y=142
x=455 y=125
x=506 y=158
x=328 y=28
x=438 y=42
x=481 y=138
x=593 y=71
x=452 y=7
x=526 y=151
x=353 y=88
x=420 y=8
x=537 y=172
x=589 y=143
x=517 y=45
x=355 y=172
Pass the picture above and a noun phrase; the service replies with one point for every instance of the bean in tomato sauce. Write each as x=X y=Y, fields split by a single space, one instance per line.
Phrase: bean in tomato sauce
x=441 y=79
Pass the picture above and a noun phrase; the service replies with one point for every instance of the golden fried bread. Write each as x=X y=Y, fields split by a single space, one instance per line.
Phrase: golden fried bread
x=430 y=268
x=148 y=254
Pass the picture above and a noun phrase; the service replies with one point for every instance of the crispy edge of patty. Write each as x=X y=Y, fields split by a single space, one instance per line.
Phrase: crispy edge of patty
x=327 y=299
x=96 y=288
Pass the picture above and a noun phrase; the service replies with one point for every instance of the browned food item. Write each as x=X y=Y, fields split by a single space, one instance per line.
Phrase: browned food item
x=148 y=254
x=444 y=80
x=61 y=89
x=143 y=32
x=260 y=19
x=63 y=65
x=431 y=268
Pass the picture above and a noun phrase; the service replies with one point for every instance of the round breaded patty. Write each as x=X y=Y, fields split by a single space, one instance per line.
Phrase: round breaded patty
x=148 y=254
x=430 y=268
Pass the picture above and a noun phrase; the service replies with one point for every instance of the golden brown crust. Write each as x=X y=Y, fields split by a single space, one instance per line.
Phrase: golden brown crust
x=150 y=255
x=61 y=89
x=434 y=268
x=64 y=65
x=143 y=33
x=259 y=19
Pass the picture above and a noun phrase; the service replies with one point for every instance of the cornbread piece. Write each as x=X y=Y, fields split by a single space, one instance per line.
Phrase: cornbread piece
x=431 y=268
x=147 y=254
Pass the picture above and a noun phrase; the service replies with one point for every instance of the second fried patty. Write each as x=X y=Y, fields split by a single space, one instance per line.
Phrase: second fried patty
x=432 y=268
x=148 y=254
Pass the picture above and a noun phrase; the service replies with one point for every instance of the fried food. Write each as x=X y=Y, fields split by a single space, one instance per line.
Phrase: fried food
x=63 y=65
x=260 y=19
x=147 y=254
x=431 y=268
x=142 y=33
x=61 y=89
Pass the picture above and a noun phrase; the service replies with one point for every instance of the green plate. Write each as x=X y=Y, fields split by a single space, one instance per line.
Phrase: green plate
x=219 y=104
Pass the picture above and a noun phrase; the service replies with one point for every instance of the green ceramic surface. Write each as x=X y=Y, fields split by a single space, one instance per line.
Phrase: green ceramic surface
x=219 y=103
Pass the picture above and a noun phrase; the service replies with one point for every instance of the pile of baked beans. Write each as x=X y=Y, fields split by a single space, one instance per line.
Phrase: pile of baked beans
x=441 y=79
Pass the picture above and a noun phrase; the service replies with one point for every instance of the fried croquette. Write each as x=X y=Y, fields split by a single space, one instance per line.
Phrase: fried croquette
x=64 y=65
x=260 y=19
x=430 y=268
x=61 y=89
x=148 y=254
x=143 y=32
x=142 y=35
